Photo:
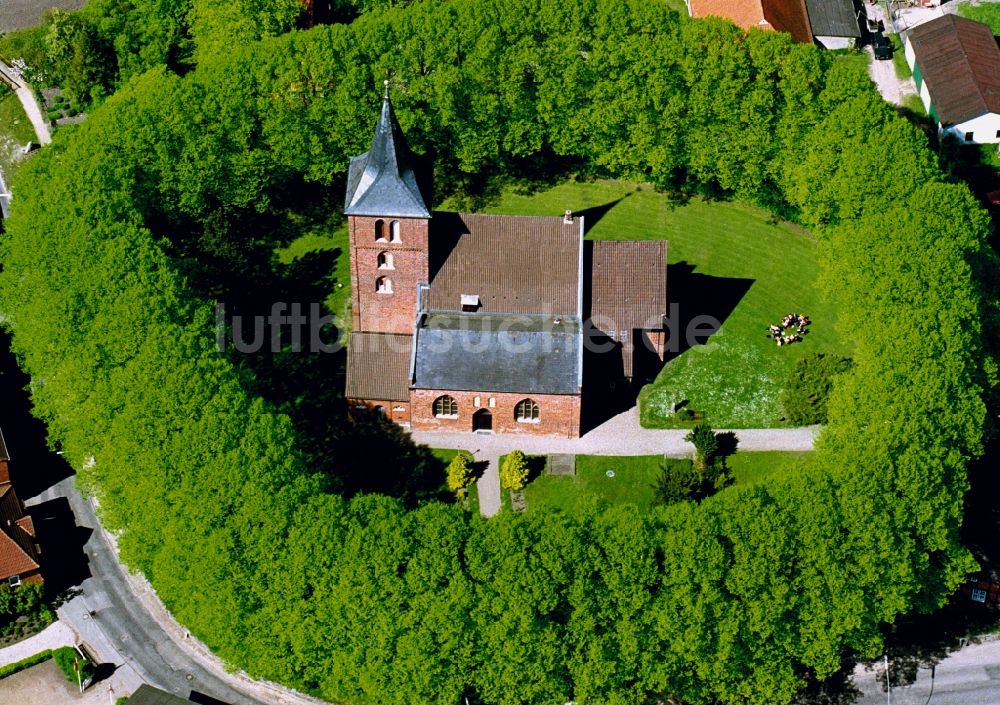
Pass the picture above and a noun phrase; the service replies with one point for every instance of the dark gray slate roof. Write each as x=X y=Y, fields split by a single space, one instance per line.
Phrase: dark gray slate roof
x=833 y=18
x=531 y=362
x=148 y=695
x=381 y=181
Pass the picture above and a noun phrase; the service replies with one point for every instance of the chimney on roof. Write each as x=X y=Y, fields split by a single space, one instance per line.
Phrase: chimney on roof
x=568 y=217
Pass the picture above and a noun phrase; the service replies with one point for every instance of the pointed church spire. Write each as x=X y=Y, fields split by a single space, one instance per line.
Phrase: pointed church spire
x=381 y=181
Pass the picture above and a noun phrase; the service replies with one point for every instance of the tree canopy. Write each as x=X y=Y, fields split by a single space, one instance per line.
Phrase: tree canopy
x=739 y=598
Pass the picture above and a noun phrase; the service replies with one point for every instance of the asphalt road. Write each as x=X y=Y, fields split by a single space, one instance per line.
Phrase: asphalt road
x=969 y=676
x=112 y=622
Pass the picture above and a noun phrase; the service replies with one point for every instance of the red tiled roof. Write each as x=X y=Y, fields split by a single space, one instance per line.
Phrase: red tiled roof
x=13 y=559
x=778 y=15
x=628 y=289
x=378 y=367
x=18 y=550
x=515 y=264
x=959 y=61
x=27 y=526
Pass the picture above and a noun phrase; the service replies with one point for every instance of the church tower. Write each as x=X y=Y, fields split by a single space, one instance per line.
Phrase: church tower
x=388 y=222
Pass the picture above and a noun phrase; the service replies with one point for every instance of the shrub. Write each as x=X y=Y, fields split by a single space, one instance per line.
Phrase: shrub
x=65 y=658
x=678 y=481
x=460 y=473
x=54 y=114
x=514 y=471
x=18 y=666
x=25 y=600
x=705 y=445
x=808 y=387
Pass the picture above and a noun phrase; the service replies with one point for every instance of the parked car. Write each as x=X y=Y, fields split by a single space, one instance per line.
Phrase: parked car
x=882 y=46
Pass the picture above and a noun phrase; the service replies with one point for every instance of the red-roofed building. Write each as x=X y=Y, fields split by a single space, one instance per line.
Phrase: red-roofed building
x=773 y=15
x=19 y=551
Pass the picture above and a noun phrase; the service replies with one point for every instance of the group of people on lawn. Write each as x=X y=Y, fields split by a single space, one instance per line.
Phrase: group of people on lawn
x=780 y=334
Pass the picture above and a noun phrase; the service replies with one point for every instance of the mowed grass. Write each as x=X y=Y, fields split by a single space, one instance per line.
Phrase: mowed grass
x=723 y=256
x=327 y=237
x=631 y=484
x=756 y=467
x=634 y=477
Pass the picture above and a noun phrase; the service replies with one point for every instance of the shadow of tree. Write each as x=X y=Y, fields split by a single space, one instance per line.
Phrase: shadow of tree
x=34 y=466
x=838 y=689
x=64 y=562
x=231 y=258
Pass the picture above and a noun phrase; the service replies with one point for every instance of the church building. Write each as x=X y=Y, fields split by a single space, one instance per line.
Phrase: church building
x=474 y=322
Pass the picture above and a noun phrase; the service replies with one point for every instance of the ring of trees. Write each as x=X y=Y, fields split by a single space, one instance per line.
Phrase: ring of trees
x=739 y=598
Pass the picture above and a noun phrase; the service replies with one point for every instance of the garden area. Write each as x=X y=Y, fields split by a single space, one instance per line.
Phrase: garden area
x=606 y=480
x=728 y=260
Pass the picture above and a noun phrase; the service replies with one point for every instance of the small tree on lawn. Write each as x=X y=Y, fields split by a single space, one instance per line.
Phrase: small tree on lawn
x=514 y=471
x=677 y=482
x=460 y=473
x=705 y=445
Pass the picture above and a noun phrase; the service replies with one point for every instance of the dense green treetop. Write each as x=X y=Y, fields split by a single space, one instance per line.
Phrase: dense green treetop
x=373 y=599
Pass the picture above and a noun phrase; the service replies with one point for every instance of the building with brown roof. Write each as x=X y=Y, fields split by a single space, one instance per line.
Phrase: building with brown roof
x=770 y=15
x=19 y=550
x=956 y=67
x=481 y=322
x=831 y=24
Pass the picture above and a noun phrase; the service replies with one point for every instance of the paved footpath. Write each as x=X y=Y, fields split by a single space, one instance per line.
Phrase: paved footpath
x=488 y=486
x=621 y=435
x=52 y=637
x=27 y=98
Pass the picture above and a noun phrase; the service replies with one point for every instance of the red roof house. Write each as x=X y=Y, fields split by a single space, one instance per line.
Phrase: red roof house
x=19 y=551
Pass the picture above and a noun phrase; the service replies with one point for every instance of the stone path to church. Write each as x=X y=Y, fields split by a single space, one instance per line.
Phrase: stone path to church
x=620 y=435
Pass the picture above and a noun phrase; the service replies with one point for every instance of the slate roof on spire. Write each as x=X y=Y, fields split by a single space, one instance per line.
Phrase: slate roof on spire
x=381 y=181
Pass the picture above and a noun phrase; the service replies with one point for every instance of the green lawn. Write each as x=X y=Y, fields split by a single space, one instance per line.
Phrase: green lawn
x=899 y=58
x=717 y=250
x=988 y=12
x=632 y=483
x=15 y=131
x=323 y=238
x=912 y=102
x=754 y=467
x=634 y=477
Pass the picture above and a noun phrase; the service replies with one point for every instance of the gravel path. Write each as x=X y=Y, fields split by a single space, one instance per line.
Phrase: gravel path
x=31 y=107
x=621 y=435
x=488 y=486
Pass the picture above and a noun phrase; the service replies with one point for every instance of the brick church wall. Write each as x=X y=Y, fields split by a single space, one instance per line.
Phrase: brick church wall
x=559 y=414
x=396 y=411
x=394 y=312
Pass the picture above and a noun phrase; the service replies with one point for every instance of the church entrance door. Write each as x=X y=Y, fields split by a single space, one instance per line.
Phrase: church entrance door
x=482 y=420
